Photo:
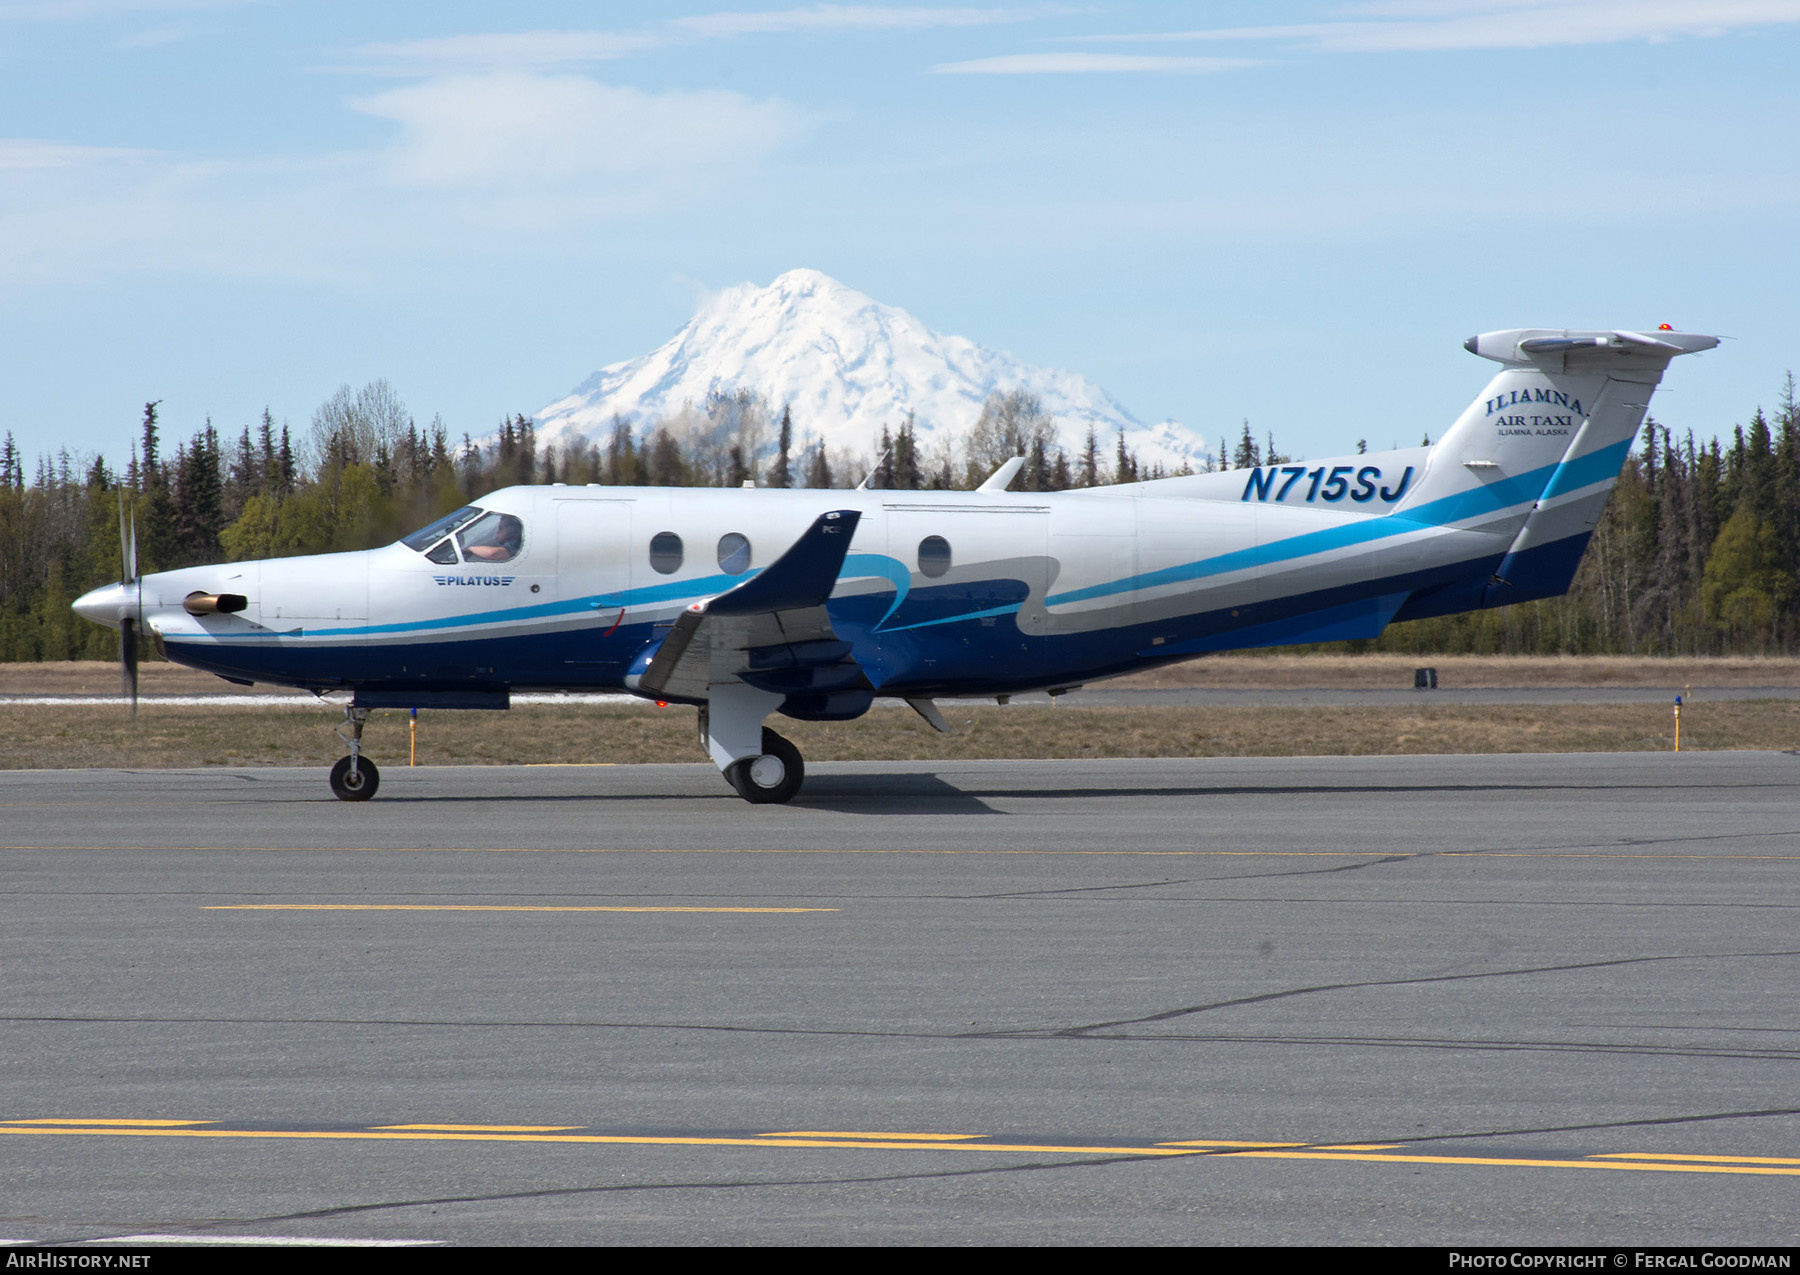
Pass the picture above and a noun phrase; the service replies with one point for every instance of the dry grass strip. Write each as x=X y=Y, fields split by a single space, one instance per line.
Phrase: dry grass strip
x=83 y=736
x=1274 y=670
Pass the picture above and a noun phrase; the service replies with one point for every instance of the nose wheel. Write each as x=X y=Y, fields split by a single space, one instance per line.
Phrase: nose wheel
x=358 y=784
x=354 y=778
x=771 y=778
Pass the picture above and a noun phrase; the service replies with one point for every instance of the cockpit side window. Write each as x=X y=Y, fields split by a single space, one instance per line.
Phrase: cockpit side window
x=444 y=554
x=495 y=537
x=425 y=537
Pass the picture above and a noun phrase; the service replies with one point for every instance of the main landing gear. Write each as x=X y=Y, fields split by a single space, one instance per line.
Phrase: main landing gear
x=762 y=766
x=771 y=778
x=354 y=778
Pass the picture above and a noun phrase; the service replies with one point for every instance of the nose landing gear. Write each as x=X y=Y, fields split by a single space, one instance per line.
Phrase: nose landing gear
x=354 y=778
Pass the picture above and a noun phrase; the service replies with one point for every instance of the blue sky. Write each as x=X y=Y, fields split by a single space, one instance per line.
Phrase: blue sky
x=1287 y=212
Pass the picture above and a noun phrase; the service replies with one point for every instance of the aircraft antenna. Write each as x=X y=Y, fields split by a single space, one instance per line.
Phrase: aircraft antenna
x=864 y=484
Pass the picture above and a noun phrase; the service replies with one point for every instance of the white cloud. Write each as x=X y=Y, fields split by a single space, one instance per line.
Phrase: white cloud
x=475 y=161
x=18 y=154
x=1084 y=63
x=70 y=211
x=540 y=50
x=1449 y=25
x=841 y=17
x=525 y=137
x=523 y=50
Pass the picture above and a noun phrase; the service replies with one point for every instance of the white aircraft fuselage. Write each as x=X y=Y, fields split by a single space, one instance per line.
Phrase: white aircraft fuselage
x=936 y=593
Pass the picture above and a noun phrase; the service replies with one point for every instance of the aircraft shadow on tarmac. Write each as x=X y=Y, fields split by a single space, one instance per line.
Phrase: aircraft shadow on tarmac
x=912 y=794
x=925 y=793
x=921 y=794
x=900 y=794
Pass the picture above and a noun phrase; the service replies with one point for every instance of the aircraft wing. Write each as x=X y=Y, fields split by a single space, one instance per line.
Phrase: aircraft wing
x=771 y=631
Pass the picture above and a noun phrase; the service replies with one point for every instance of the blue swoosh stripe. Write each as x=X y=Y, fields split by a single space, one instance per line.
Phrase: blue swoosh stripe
x=1537 y=484
x=879 y=564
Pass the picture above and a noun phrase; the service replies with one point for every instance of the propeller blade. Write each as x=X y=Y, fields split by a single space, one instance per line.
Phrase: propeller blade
x=128 y=624
x=127 y=545
x=128 y=662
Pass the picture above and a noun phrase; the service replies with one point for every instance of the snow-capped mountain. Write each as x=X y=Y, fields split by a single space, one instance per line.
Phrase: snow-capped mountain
x=846 y=365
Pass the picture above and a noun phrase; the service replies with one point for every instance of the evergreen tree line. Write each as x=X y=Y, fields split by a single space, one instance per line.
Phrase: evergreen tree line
x=1697 y=552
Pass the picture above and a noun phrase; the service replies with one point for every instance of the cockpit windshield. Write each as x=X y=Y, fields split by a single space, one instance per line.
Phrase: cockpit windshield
x=425 y=537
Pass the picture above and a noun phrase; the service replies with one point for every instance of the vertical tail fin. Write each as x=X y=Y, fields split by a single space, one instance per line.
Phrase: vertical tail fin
x=1535 y=457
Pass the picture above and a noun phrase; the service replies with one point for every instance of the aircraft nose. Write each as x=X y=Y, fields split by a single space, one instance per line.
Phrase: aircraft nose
x=105 y=605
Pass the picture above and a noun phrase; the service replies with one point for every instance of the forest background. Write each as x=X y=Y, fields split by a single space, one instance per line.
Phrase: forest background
x=1697 y=553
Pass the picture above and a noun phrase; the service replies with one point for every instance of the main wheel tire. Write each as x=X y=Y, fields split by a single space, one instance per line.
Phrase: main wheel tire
x=772 y=778
x=358 y=787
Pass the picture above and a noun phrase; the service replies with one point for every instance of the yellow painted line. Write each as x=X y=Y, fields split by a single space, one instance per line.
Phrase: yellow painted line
x=120 y=1124
x=605 y=1139
x=1748 y=1166
x=1247 y=854
x=1374 y=1157
x=1363 y=1146
x=1706 y=1159
x=487 y=1128
x=910 y=1137
x=1220 y=1142
x=465 y=907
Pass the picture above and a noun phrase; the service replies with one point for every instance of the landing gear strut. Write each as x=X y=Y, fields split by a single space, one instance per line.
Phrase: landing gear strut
x=354 y=778
x=771 y=778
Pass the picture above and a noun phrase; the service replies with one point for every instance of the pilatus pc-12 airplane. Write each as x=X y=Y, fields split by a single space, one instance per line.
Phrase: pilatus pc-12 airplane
x=814 y=603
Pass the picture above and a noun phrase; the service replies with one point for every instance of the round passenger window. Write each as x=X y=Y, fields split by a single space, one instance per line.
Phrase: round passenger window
x=734 y=554
x=665 y=552
x=934 y=556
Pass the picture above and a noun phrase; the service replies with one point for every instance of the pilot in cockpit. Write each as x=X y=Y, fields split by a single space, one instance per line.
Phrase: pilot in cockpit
x=495 y=538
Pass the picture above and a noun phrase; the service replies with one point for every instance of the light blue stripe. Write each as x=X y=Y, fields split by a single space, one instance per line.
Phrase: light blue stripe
x=672 y=592
x=957 y=619
x=1585 y=471
x=855 y=565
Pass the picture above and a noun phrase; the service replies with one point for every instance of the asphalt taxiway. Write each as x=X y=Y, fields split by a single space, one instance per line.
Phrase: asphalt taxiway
x=1503 y=1000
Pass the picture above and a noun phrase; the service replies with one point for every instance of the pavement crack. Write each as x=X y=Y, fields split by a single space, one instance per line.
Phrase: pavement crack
x=1647 y=1122
x=548 y=1193
x=1288 y=993
x=1077 y=889
x=1320 y=872
x=1620 y=1048
x=1624 y=842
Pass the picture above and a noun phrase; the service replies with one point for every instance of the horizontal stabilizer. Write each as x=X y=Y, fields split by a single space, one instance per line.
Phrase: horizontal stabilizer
x=1532 y=345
